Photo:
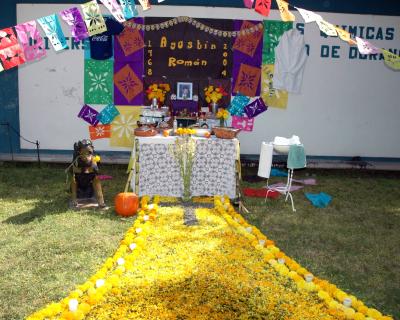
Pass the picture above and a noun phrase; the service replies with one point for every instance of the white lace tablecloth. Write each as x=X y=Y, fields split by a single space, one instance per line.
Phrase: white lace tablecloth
x=213 y=173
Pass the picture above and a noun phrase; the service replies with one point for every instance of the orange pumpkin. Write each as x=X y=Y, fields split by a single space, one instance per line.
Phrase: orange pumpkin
x=126 y=204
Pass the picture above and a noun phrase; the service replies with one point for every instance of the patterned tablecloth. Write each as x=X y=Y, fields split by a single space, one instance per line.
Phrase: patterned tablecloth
x=213 y=173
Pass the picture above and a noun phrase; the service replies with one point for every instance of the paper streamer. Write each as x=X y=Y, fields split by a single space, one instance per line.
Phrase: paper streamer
x=263 y=7
x=75 y=21
x=7 y=38
x=89 y=114
x=100 y=131
x=248 y=3
x=129 y=9
x=365 y=47
x=237 y=105
x=52 y=28
x=265 y=160
x=391 y=60
x=286 y=15
x=309 y=16
x=145 y=4
x=108 y=114
x=243 y=123
x=115 y=9
x=28 y=30
x=94 y=21
x=255 y=108
x=327 y=28
x=12 y=56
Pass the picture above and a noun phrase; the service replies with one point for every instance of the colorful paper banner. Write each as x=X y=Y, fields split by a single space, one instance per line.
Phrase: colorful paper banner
x=12 y=56
x=391 y=60
x=273 y=30
x=248 y=3
x=98 y=85
x=248 y=43
x=75 y=21
x=7 y=38
x=254 y=108
x=88 y=114
x=127 y=44
x=145 y=4
x=115 y=9
x=100 y=131
x=123 y=125
x=27 y=31
x=327 y=28
x=237 y=105
x=94 y=21
x=272 y=97
x=286 y=15
x=128 y=84
x=52 y=28
x=108 y=114
x=247 y=81
x=263 y=7
x=129 y=9
x=309 y=16
x=244 y=123
x=364 y=47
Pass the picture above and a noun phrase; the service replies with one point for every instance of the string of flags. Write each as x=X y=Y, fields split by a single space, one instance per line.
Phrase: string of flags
x=364 y=47
x=14 y=53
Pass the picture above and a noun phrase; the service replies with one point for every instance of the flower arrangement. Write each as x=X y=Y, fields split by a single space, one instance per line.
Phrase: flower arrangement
x=183 y=151
x=214 y=94
x=222 y=115
x=158 y=91
x=185 y=131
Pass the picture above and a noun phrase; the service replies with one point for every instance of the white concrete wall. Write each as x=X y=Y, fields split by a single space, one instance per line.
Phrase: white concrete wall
x=347 y=107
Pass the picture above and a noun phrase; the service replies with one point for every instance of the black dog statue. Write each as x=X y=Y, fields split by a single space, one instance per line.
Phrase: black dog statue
x=85 y=184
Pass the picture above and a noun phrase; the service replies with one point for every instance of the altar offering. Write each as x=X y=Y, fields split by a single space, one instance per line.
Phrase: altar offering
x=225 y=132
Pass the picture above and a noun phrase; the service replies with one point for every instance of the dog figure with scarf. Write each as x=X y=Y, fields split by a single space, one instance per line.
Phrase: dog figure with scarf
x=85 y=184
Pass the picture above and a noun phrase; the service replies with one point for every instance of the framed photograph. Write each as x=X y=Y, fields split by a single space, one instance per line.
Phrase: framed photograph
x=184 y=91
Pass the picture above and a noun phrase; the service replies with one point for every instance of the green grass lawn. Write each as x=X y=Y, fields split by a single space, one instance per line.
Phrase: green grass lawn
x=46 y=249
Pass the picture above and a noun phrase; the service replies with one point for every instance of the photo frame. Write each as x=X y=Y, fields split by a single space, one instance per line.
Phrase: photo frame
x=184 y=91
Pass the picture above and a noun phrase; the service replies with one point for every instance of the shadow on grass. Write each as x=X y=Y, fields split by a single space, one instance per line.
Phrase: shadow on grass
x=58 y=205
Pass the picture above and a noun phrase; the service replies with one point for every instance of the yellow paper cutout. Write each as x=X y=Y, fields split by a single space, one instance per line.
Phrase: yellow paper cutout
x=391 y=60
x=344 y=35
x=286 y=15
x=272 y=97
x=123 y=125
x=93 y=18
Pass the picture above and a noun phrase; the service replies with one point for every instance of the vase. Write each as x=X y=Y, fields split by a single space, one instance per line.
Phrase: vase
x=186 y=197
x=214 y=108
x=221 y=122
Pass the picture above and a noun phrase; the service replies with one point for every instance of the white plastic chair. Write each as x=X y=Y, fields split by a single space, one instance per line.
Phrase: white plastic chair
x=285 y=190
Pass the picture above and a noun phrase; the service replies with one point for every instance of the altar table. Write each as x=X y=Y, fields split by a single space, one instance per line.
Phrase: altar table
x=158 y=173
